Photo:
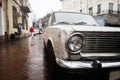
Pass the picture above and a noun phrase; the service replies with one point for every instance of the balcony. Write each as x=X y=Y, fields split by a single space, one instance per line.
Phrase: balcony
x=25 y=9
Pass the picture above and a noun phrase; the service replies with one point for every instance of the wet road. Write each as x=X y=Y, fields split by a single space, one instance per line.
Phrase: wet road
x=21 y=61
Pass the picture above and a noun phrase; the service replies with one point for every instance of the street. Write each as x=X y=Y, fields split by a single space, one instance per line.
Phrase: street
x=21 y=61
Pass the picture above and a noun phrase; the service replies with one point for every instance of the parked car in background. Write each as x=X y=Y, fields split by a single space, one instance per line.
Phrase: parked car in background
x=40 y=26
x=76 y=42
x=101 y=20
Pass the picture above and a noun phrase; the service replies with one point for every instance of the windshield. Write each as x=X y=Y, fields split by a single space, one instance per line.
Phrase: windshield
x=74 y=18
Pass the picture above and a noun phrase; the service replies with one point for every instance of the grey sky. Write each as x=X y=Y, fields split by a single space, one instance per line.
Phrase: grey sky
x=42 y=7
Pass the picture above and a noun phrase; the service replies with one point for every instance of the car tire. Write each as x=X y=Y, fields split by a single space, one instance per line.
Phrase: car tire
x=50 y=59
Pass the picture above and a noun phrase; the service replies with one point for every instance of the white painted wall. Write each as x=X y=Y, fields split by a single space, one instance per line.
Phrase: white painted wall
x=1 y=22
x=71 y=5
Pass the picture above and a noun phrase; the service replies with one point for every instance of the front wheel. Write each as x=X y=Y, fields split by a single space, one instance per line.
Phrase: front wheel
x=50 y=60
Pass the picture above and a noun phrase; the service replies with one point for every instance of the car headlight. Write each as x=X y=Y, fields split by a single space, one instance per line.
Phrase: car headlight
x=75 y=42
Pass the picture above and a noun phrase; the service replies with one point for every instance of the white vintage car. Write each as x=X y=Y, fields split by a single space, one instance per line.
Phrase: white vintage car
x=75 y=41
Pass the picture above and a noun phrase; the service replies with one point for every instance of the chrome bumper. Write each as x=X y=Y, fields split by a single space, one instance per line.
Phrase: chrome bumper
x=85 y=64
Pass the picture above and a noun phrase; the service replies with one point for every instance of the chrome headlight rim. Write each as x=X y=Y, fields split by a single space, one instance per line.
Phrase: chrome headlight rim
x=72 y=35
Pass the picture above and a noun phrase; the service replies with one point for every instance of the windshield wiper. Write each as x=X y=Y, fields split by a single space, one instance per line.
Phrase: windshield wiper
x=93 y=25
x=84 y=23
x=63 y=23
x=80 y=23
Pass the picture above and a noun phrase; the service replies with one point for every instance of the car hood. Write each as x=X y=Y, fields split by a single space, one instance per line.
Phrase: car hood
x=90 y=28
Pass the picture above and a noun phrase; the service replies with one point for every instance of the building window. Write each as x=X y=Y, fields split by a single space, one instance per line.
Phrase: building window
x=26 y=21
x=23 y=21
x=91 y=11
x=118 y=8
x=0 y=2
x=110 y=7
x=98 y=8
x=81 y=10
x=80 y=1
x=15 y=20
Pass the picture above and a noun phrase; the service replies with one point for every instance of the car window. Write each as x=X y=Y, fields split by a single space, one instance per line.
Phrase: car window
x=49 y=21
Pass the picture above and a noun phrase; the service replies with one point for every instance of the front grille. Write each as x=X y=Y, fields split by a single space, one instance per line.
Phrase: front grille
x=101 y=42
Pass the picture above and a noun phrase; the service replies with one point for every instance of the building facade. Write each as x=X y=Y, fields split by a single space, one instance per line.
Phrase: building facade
x=91 y=6
x=13 y=18
x=107 y=8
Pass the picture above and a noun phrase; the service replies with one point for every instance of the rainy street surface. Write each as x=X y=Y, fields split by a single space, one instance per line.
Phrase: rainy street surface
x=21 y=61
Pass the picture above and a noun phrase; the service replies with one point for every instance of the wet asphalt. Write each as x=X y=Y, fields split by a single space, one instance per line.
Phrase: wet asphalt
x=19 y=60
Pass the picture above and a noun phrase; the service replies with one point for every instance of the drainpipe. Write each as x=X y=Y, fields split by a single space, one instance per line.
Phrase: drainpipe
x=87 y=11
x=118 y=12
x=7 y=17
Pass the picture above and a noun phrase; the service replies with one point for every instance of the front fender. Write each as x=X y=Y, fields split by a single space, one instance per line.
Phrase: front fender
x=51 y=40
x=58 y=49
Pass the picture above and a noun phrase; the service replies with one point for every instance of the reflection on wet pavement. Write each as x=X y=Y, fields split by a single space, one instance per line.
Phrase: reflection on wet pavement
x=35 y=59
x=20 y=61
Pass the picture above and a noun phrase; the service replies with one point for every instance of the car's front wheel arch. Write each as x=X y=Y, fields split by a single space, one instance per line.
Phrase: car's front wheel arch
x=50 y=50
x=51 y=60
